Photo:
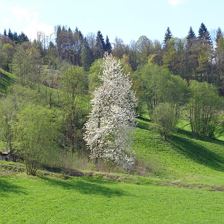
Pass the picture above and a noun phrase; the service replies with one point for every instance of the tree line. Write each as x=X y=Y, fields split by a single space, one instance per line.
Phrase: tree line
x=47 y=111
x=194 y=57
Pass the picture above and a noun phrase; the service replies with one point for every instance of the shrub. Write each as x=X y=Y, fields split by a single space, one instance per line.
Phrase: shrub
x=166 y=118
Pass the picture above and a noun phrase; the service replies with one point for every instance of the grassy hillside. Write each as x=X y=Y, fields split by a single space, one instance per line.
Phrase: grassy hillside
x=183 y=183
x=83 y=200
x=182 y=158
x=6 y=79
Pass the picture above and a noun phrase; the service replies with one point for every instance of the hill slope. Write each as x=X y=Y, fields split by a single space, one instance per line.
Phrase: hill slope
x=6 y=79
x=183 y=183
x=183 y=157
x=82 y=200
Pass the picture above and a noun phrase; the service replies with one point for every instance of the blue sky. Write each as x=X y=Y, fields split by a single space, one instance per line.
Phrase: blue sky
x=127 y=19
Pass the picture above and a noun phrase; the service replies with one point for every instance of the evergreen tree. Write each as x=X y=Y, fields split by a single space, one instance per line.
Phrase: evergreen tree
x=100 y=45
x=15 y=37
x=191 y=55
x=204 y=35
x=108 y=47
x=168 y=36
x=79 y=33
x=86 y=55
x=191 y=35
x=219 y=61
x=63 y=29
x=10 y=35
x=75 y=43
x=58 y=32
x=22 y=38
x=205 y=56
x=219 y=35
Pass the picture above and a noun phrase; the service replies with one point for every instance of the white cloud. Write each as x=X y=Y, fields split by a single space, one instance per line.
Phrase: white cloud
x=25 y=19
x=175 y=2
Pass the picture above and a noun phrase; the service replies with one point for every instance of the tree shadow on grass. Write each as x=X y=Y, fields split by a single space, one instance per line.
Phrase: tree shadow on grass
x=7 y=188
x=84 y=187
x=146 y=124
x=206 y=139
x=198 y=153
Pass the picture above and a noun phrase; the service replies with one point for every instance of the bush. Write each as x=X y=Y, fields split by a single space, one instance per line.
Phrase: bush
x=204 y=107
x=35 y=136
x=166 y=118
x=154 y=85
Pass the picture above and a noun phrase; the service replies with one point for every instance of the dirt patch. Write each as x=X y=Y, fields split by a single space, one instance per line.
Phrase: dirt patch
x=193 y=186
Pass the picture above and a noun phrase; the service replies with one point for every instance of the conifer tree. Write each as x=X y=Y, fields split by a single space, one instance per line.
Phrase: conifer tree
x=86 y=55
x=100 y=45
x=22 y=38
x=219 y=35
x=10 y=34
x=191 y=35
x=204 y=35
x=168 y=36
x=108 y=47
x=205 y=56
x=191 y=55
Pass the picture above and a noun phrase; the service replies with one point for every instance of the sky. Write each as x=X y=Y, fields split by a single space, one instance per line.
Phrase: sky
x=126 y=19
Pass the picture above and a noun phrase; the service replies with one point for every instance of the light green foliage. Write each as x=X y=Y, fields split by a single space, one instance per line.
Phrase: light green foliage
x=35 y=135
x=155 y=85
x=74 y=83
x=173 y=57
x=51 y=58
x=204 y=61
x=94 y=74
x=169 y=54
x=8 y=109
x=127 y=69
x=22 y=95
x=144 y=48
x=204 y=106
x=74 y=87
x=165 y=117
x=50 y=89
x=220 y=62
x=27 y=63
x=5 y=81
x=6 y=53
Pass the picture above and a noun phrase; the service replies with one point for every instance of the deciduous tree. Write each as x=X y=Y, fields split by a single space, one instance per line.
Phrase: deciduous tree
x=112 y=116
x=35 y=136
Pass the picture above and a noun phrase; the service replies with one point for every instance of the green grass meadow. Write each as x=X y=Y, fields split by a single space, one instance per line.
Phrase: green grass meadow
x=183 y=182
x=81 y=200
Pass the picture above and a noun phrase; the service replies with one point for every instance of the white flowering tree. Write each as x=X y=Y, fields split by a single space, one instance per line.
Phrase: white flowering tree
x=111 y=120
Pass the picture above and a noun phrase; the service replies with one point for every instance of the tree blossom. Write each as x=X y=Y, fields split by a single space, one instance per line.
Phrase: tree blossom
x=110 y=122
